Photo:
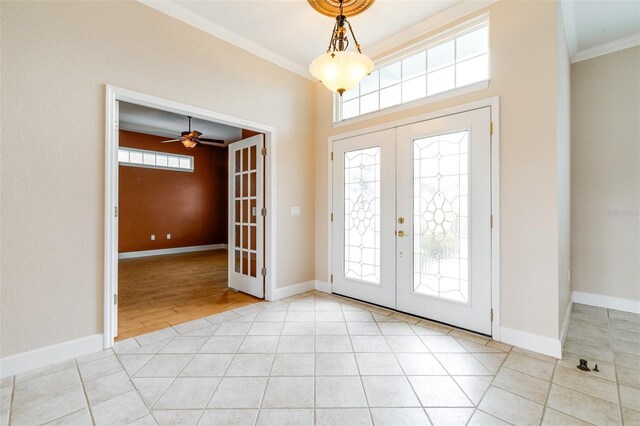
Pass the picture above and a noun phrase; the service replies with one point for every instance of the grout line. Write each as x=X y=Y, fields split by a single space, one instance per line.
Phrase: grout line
x=84 y=391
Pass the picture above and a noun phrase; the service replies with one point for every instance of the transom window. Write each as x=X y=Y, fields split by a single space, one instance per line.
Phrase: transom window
x=154 y=159
x=449 y=64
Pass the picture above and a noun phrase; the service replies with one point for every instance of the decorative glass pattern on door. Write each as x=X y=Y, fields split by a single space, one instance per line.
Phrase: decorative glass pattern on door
x=245 y=210
x=362 y=214
x=441 y=216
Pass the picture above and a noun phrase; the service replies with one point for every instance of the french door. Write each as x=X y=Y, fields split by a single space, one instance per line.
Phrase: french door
x=412 y=209
x=246 y=222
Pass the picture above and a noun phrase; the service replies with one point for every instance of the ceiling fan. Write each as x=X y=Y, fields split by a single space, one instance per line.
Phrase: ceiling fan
x=191 y=139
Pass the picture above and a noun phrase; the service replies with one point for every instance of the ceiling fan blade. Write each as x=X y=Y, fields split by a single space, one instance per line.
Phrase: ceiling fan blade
x=220 y=144
x=211 y=140
x=172 y=140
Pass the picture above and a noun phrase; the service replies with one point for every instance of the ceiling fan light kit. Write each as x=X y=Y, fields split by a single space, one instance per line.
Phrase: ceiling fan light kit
x=191 y=138
x=338 y=69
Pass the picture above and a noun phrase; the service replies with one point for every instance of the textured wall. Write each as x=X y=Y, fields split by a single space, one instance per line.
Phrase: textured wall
x=523 y=47
x=52 y=195
x=606 y=174
x=192 y=207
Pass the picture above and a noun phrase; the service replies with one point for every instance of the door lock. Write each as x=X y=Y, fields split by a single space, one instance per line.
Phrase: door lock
x=401 y=220
x=401 y=233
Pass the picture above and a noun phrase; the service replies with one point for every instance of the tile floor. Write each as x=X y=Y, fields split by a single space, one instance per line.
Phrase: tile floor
x=321 y=359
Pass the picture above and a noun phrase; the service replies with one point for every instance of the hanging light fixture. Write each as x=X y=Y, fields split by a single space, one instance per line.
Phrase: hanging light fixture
x=338 y=69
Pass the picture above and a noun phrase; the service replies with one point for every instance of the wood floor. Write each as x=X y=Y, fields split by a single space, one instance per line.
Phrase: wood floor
x=161 y=291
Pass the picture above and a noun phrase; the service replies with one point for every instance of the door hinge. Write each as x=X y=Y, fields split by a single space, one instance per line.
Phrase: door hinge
x=491 y=127
x=331 y=217
x=491 y=314
x=331 y=155
x=264 y=151
x=115 y=211
x=263 y=212
x=491 y=221
x=331 y=278
x=115 y=299
x=264 y=272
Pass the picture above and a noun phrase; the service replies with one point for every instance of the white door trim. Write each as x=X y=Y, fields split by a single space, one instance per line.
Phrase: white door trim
x=115 y=94
x=494 y=104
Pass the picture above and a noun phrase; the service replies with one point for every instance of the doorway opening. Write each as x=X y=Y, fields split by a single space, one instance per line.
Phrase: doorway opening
x=187 y=230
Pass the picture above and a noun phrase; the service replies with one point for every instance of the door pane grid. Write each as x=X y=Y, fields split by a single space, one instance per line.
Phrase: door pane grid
x=245 y=201
x=441 y=216
x=362 y=214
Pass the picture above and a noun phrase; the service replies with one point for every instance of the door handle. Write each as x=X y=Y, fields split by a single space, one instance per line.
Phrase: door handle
x=401 y=233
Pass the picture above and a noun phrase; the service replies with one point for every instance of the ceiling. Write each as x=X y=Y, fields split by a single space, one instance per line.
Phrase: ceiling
x=596 y=27
x=290 y=33
x=141 y=119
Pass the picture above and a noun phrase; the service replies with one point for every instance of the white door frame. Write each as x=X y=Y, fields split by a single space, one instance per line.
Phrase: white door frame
x=494 y=104
x=115 y=94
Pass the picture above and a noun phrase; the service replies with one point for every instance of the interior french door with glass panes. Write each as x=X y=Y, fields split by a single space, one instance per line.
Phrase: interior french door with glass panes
x=246 y=223
x=412 y=209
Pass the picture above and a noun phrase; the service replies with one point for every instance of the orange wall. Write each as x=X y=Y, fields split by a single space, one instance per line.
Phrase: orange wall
x=192 y=207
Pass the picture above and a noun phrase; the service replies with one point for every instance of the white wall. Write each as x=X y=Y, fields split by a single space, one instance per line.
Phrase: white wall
x=524 y=75
x=605 y=96
x=56 y=58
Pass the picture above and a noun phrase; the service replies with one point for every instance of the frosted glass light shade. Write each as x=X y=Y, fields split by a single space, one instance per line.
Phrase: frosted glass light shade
x=341 y=72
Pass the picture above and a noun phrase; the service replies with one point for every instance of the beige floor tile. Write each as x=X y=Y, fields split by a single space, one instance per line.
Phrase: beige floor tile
x=207 y=365
x=150 y=389
x=474 y=386
x=299 y=417
x=607 y=369
x=395 y=329
x=378 y=364
x=399 y=416
x=164 y=365
x=293 y=365
x=239 y=392
x=477 y=347
x=331 y=328
x=259 y=344
x=627 y=360
x=556 y=418
x=420 y=365
x=50 y=407
x=100 y=368
x=522 y=384
x=133 y=363
x=107 y=387
x=370 y=344
x=338 y=392
x=499 y=345
x=480 y=418
x=252 y=365
x=449 y=416
x=406 y=344
x=491 y=362
x=343 y=416
x=384 y=391
x=630 y=417
x=510 y=407
x=188 y=327
x=333 y=344
x=594 y=386
x=434 y=326
x=462 y=365
x=176 y=417
x=298 y=328
x=469 y=336
x=184 y=345
x=122 y=409
x=228 y=417
x=187 y=393
x=443 y=344
x=628 y=376
x=630 y=397
x=531 y=366
x=41 y=386
x=78 y=418
x=289 y=392
x=439 y=391
x=296 y=344
x=335 y=364
x=582 y=406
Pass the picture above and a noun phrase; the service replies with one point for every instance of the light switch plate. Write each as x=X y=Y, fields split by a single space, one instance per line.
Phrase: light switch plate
x=153 y=237
x=295 y=211
x=168 y=236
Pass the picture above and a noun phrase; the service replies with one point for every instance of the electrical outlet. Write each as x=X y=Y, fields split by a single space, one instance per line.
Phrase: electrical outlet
x=295 y=211
x=168 y=236
x=153 y=237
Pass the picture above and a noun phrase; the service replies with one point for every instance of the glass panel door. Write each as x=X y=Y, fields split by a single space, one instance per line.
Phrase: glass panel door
x=246 y=230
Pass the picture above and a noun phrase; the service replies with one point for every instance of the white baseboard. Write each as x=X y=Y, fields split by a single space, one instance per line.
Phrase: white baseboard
x=323 y=286
x=567 y=319
x=145 y=253
x=38 y=358
x=292 y=290
x=608 y=302
x=533 y=342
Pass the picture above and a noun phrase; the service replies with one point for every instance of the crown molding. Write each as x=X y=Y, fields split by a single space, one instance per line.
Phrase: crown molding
x=605 y=48
x=569 y=17
x=440 y=19
x=181 y=13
